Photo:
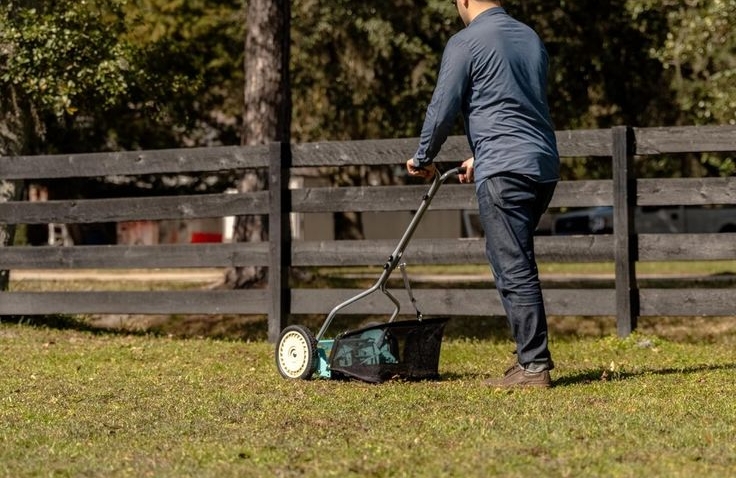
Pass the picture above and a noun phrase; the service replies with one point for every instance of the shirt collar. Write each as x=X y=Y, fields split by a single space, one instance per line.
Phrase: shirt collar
x=489 y=12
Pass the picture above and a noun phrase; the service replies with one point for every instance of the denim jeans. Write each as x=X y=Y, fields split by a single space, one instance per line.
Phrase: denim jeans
x=510 y=207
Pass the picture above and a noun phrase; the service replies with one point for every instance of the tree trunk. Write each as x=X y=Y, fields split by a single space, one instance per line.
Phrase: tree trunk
x=12 y=134
x=9 y=191
x=267 y=112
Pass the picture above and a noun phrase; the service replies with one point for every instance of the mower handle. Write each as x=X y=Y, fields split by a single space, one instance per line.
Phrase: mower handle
x=395 y=257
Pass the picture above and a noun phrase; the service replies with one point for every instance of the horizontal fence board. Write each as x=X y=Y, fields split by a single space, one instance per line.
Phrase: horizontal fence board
x=584 y=142
x=685 y=139
x=135 y=257
x=381 y=198
x=449 y=197
x=597 y=192
x=381 y=152
x=688 y=302
x=376 y=252
x=372 y=152
x=686 y=191
x=574 y=143
x=168 y=161
x=158 y=302
x=687 y=247
x=134 y=209
x=451 y=302
x=590 y=248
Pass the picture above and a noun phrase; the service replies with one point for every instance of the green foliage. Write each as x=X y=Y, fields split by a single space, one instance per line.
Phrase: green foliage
x=697 y=49
x=600 y=70
x=694 y=46
x=365 y=69
x=85 y=404
x=111 y=74
x=66 y=55
x=194 y=52
x=131 y=74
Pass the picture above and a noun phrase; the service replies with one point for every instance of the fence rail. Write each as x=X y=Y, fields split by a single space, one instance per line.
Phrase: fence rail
x=624 y=300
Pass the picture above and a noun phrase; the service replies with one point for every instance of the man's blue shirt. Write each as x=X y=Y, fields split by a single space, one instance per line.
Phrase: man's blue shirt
x=494 y=71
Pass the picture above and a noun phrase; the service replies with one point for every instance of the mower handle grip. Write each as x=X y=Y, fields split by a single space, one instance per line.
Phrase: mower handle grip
x=452 y=172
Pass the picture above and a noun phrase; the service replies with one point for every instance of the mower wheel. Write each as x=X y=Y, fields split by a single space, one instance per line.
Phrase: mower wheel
x=296 y=353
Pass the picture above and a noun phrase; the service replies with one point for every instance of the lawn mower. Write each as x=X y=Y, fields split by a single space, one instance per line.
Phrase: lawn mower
x=396 y=349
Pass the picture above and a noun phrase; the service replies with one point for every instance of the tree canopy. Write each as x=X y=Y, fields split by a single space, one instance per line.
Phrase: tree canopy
x=126 y=74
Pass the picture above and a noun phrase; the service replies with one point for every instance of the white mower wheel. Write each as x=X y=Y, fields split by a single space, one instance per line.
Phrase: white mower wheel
x=296 y=353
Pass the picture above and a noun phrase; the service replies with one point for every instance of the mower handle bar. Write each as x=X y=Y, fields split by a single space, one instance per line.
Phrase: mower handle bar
x=395 y=257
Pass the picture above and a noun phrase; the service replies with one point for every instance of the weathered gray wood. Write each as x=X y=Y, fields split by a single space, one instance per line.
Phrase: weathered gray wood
x=170 y=161
x=686 y=191
x=381 y=198
x=575 y=143
x=591 y=248
x=279 y=239
x=134 y=209
x=685 y=139
x=597 y=192
x=588 y=248
x=688 y=302
x=450 y=197
x=375 y=152
x=582 y=142
x=452 y=302
x=687 y=247
x=158 y=302
x=135 y=257
x=625 y=247
x=620 y=192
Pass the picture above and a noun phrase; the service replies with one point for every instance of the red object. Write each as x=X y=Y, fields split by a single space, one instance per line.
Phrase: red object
x=198 y=237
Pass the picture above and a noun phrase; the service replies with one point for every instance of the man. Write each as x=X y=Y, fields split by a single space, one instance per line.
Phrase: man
x=494 y=71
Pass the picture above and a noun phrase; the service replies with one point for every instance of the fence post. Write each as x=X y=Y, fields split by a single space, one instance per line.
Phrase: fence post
x=625 y=238
x=279 y=238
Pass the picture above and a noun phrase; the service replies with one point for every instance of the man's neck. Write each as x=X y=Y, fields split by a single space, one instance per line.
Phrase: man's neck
x=476 y=7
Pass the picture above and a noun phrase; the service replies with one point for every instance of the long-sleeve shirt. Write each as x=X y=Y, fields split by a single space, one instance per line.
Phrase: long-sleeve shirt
x=494 y=71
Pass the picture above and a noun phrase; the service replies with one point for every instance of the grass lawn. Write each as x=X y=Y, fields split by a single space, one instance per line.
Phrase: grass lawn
x=76 y=402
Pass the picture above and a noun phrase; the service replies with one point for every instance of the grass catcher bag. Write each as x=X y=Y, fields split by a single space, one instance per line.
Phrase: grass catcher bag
x=405 y=350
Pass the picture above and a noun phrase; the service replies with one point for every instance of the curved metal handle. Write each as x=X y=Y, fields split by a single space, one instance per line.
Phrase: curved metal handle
x=453 y=172
x=395 y=257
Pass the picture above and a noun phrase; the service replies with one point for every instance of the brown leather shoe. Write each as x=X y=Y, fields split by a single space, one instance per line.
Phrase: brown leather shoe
x=516 y=377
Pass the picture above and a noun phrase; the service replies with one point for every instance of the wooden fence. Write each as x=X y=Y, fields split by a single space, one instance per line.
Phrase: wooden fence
x=622 y=145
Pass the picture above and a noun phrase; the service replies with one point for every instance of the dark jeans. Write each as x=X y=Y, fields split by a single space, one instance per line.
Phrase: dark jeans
x=510 y=207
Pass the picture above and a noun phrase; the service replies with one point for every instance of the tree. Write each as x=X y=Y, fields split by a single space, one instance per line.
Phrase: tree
x=694 y=43
x=56 y=60
x=697 y=54
x=364 y=70
x=267 y=110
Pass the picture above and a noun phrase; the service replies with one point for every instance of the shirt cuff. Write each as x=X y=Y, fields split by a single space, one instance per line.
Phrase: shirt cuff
x=421 y=161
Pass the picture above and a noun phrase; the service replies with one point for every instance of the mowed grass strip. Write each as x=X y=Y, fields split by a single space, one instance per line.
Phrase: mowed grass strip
x=80 y=403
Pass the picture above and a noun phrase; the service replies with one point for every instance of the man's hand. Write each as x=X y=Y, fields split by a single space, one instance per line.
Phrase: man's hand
x=469 y=175
x=427 y=172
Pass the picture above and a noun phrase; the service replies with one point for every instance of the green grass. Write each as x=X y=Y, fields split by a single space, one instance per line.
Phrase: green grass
x=79 y=403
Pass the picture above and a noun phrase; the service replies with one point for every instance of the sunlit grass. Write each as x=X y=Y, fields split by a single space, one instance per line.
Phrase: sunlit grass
x=76 y=403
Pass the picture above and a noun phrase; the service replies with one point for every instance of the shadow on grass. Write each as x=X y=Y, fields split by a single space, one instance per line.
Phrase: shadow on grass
x=603 y=375
x=59 y=322
x=491 y=328
x=587 y=377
